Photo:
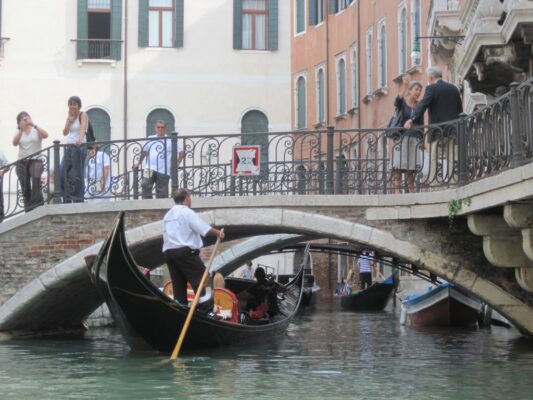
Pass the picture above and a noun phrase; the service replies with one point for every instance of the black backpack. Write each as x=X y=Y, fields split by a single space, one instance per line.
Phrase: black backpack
x=89 y=134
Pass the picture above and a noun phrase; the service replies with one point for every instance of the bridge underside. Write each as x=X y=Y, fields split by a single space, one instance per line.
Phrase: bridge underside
x=63 y=297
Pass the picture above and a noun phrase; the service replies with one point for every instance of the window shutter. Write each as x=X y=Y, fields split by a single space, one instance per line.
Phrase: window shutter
x=116 y=29
x=82 y=48
x=333 y=9
x=237 y=24
x=312 y=12
x=143 y=23
x=272 y=24
x=178 y=23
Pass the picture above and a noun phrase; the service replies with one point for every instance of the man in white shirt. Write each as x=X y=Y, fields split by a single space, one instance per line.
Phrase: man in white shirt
x=182 y=240
x=248 y=272
x=98 y=174
x=157 y=167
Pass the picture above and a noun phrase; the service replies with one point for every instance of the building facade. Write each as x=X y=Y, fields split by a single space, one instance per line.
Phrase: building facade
x=204 y=67
x=348 y=57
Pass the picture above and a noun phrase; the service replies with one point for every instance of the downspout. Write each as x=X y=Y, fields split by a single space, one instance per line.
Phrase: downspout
x=125 y=101
x=326 y=6
x=358 y=94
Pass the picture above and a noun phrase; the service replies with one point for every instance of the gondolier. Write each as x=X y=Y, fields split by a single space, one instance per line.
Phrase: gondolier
x=182 y=240
x=365 y=270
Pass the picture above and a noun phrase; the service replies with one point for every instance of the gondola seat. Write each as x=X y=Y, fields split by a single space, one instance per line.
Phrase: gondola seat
x=226 y=304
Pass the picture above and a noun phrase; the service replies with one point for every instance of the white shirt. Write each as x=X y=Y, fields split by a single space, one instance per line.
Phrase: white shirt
x=74 y=132
x=183 y=227
x=159 y=151
x=29 y=143
x=95 y=171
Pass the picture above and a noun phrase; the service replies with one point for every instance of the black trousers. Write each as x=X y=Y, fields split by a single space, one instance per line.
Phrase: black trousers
x=366 y=279
x=184 y=265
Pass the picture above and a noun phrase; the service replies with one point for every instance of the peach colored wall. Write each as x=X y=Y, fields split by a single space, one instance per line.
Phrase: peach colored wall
x=341 y=31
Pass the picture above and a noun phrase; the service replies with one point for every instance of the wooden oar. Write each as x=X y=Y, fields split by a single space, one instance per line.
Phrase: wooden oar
x=195 y=302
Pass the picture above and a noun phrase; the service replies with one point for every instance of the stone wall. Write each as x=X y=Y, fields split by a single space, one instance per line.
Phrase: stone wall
x=29 y=250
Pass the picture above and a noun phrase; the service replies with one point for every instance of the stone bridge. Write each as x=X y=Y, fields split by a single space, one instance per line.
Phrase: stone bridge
x=484 y=246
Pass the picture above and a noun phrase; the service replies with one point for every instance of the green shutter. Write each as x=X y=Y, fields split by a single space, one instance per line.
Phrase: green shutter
x=116 y=29
x=312 y=12
x=143 y=23
x=333 y=9
x=237 y=24
x=178 y=23
x=82 y=47
x=272 y=24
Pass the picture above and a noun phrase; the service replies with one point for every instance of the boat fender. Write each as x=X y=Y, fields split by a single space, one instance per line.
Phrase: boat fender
x=403 y=316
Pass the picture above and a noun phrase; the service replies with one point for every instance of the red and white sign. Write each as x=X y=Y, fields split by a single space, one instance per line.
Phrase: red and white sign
x=246 y=160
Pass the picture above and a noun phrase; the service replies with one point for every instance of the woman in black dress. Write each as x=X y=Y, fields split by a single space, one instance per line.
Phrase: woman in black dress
x=407 y=147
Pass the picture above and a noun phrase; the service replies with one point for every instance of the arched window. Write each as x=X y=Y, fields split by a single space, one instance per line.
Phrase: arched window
x=353 y=68
x=320 y=95
x=101 y=124
x=341 y=87
x=254 y=131
x=301 y=106
x=382 y=56
x=369 y=61
x=402 y=26
x=156 y=115
x=416 y=23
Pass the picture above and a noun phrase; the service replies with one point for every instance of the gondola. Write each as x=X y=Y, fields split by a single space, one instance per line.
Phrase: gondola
x=373 y=298
x=150 y=320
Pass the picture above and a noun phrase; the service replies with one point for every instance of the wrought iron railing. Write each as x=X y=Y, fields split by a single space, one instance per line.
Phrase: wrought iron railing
x=358 y=161
x=98 y=49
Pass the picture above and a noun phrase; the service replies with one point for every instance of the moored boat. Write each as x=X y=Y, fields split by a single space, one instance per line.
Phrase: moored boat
x=150 y=320
x=373 y=298
x=445 y=305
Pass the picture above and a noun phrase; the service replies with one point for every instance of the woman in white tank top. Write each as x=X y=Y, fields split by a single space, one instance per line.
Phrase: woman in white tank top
x=74 y=154
x=30 y=165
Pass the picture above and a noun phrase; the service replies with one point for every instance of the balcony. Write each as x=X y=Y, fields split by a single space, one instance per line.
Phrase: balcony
x=98 y=50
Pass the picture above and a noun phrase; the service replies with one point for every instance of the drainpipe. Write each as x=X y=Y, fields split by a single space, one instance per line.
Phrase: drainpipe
x=325 y=5
x=358 y=94
x=125 y=101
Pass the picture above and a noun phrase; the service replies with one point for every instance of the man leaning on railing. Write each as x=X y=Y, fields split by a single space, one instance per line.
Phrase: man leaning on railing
x=157 y=166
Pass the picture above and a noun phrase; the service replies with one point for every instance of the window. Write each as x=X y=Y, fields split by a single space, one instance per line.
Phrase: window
x=341 y=86
x=382 y=55
x=402 y=40
x=161 y=23
x=320 y=93
x=254 y=131
x=316 y=12
x=300 y=16
x=301 y=106
x=369 y=61
x=255 y=24
x=354 y=79
x=159 y=114
x=99 y=29
x=416 y=23
x=101 y=124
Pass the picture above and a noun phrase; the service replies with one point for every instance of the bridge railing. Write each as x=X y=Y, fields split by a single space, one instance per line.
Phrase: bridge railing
x=329 y=161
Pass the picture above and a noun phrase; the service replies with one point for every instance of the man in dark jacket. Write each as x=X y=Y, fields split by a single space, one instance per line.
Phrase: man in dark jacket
x=443 y=102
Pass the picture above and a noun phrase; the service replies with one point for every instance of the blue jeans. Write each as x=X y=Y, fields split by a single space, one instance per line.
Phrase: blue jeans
x=72 y=173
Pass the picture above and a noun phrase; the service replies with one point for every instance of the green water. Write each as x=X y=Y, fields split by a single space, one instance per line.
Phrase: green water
x=325 y=354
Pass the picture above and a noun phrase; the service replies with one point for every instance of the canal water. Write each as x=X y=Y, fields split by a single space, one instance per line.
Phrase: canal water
x=326 y=354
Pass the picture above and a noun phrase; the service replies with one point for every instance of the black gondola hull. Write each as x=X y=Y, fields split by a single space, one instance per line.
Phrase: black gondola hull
x=374 y=298
x=149 y=320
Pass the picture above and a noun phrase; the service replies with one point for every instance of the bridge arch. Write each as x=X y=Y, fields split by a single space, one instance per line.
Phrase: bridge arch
x=64 y=296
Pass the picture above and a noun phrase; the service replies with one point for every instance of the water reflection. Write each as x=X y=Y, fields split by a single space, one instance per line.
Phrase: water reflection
x=324 y=354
